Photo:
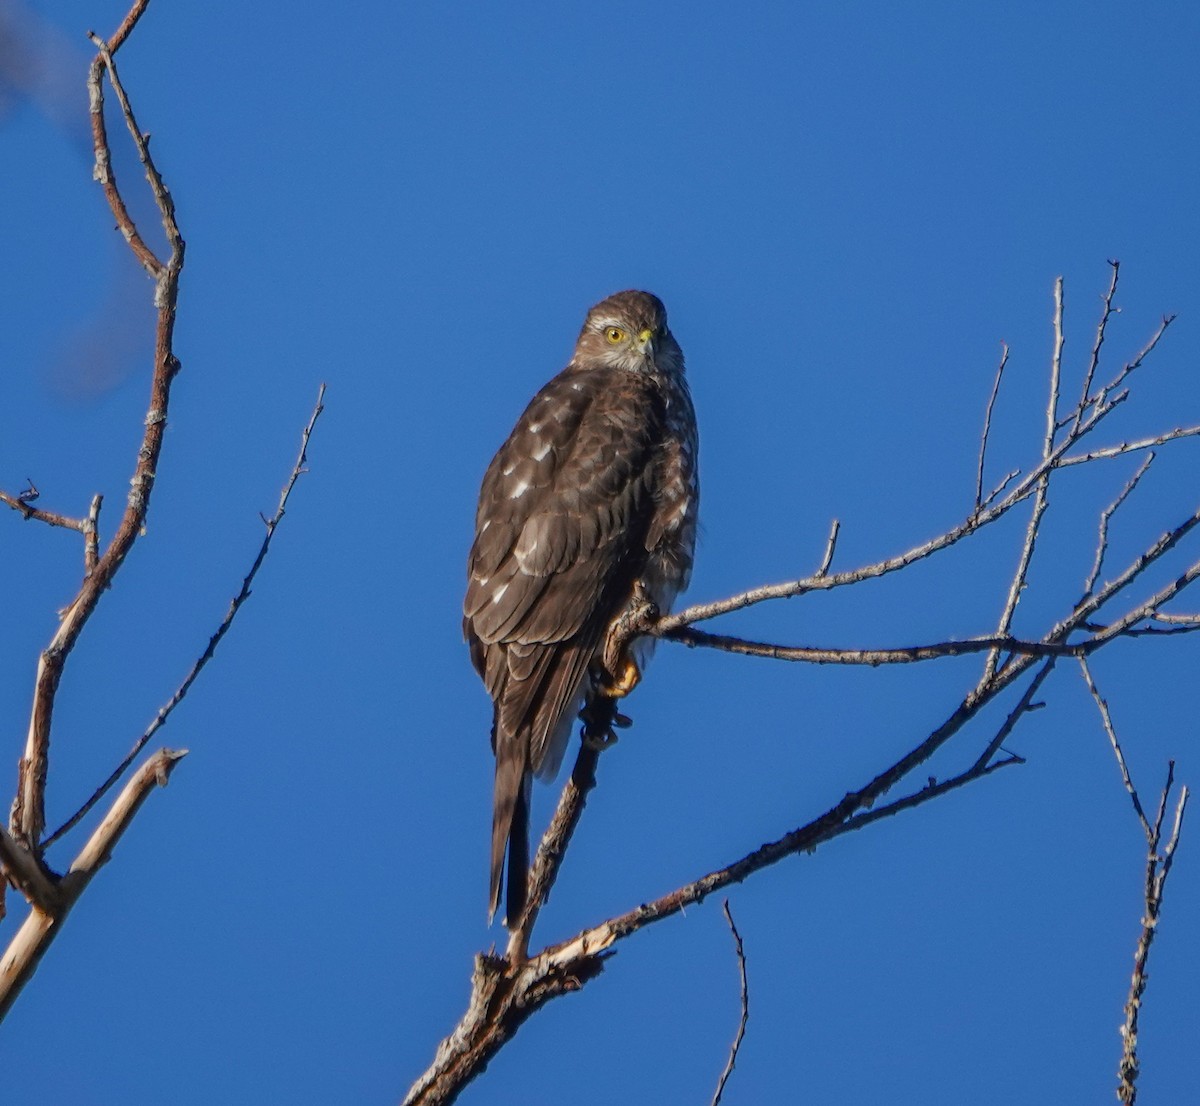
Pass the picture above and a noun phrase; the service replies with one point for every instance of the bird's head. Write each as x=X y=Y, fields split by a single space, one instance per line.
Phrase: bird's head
x=629 y=331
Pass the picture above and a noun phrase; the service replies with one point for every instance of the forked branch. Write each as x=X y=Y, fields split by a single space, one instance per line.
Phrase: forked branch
x=28 y=815
x=1158 y=868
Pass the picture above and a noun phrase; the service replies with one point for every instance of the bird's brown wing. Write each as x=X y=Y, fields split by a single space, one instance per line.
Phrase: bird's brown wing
x=564 y=512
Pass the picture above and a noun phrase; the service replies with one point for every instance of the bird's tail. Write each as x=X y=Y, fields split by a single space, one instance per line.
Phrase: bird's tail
x=510 y=829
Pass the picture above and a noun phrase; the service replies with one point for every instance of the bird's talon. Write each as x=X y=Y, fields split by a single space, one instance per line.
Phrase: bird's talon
x=599 y=741
x=623 y=682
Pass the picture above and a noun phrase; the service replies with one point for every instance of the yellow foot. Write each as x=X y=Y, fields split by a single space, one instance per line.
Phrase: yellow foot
x=619 y=684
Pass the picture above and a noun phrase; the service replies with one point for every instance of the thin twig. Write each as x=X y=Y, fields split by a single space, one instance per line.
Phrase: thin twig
x=830 y=546
x=1136 y=363
x=1025 y=705
x=1190 y=619
x=741 y=1029
x=164 y=712
x=1106 y=517
x=987 y=426
x=50 y=518
x=904 y=654
x=999 y=488
x=1121 y=448
x=1109 y=729
x=1094 y=362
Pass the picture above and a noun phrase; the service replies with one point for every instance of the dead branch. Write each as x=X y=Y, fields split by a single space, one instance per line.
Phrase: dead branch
x=1101 y=330
x=987 y=426
x=741 y=1029
x=1158 y=868
x=49 y=911
x=28 y=816
x=830 y=546
x=1106 y=517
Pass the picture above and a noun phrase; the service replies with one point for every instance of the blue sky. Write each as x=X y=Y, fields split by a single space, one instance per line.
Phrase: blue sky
x=846 y=209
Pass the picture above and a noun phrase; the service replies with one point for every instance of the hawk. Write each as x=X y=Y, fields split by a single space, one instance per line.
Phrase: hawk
x=588 y=509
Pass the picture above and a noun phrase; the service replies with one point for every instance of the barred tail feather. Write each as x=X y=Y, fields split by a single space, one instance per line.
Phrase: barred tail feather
x=517 y=881
x=510 y=823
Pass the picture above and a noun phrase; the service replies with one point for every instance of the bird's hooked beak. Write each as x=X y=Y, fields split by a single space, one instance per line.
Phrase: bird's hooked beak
x=645 y=343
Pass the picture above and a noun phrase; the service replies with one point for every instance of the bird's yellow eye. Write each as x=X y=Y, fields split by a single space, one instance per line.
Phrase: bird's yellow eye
x=614 y=334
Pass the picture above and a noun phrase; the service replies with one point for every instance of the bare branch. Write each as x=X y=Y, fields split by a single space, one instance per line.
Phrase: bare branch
x=1106 y=517
x=50 y=518
x=1054 y=643
x=103 y=171
x=28 y=874
x=1055 y=370
x=39 y=930
x=28 y=817
x=999 y=488
x=741 y=1029
x=1106 y=718
x=987 y=427
x=830 y=547
x=127 y=25
x=1025 y=705
x=1157 y=869
x=1188 y=621
x=904 y=654
x=91 y=536
x=1101 y=328
x=85 y=526
x=1122 y=448
x=164 y=712
x=1131 y=366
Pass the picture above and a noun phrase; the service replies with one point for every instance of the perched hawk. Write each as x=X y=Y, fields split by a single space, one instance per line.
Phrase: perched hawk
x=590 y=502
